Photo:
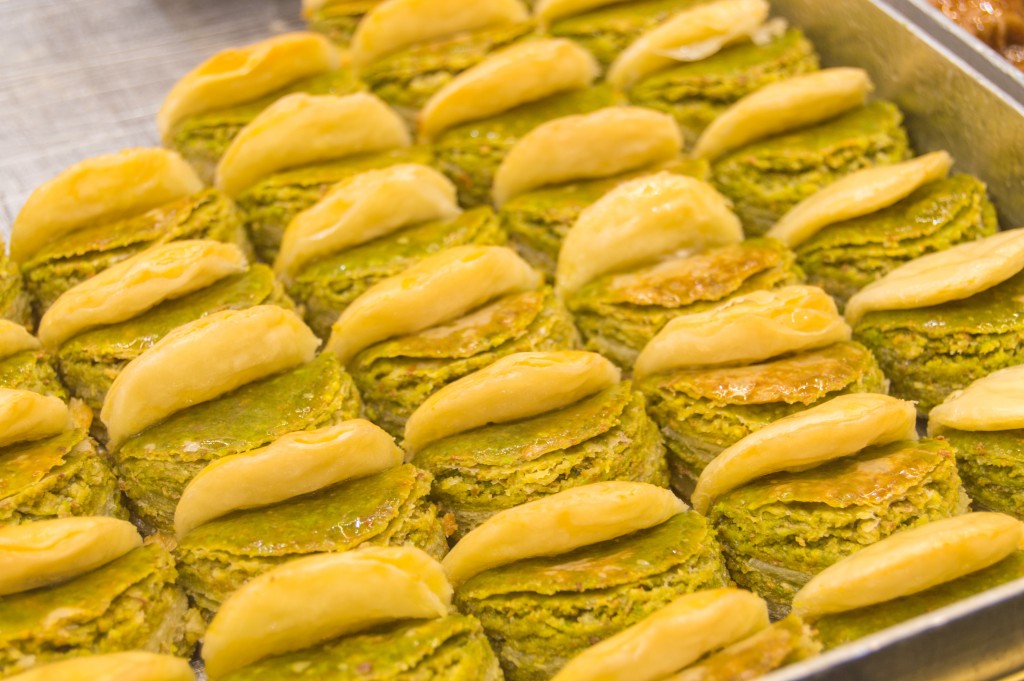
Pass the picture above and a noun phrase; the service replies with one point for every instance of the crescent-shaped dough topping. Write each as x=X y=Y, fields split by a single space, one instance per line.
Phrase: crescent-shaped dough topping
x=363 y=208
x=294 y=464
x=98 y=190
x=936 y=278
x=784 y=320
x=243 y=74
x=780 y=107
x=587 y=146
x=27 y=415
x=203 y=360
x=301 y=129
x=995 y=402
x=642 y=221
x=910 y=562
x=519 y=386
x=397 y=24
x=840 y=427
x=560 y=523
x=438 y=289
x=47 y=552
x=672 y=638
x=704 y=29
x=15 y=338
x=310 y=600
x=861 y=193
x=130 y=666
x=550 y=10
x=132 y=286
x=516 y=75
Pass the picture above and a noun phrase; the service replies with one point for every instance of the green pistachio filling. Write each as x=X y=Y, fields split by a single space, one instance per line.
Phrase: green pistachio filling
x=202 y=139
x=92 y=360
x=407 y=79
x=329 y=285
x=703 y=411
x=845 y=257
x=992 y=466
x=605 y=437
x=56 y=477
x=452 y=648
x=839 y=628
x=541 y=612
x=608 y=31
x=337 y=19
x=70 y=260
x=131 y=603
x=766 y=179
x=779 y=531
x=619 y=314
x=31 y=370
x=696 y=93
x=397 y=376
x=784 y=643
x=155 y=465
x=929 y=352
x=470 y=154
x=539 y=220
x=268 y=206
x=389 y=508
x=15 y=301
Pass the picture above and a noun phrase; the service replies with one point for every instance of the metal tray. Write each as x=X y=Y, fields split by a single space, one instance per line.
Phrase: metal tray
x=85 y=77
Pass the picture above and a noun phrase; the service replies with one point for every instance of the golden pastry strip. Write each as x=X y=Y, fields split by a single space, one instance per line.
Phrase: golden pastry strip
x=48 y=552
x=310 y=600
x=15 y=338
x=97 y=190
x=129 y=666
x=26 y=415
x=363 y=208
x=202 y=360
x=132 y=286
x=642 y=221
x=515 y=387
x=550 y=10
x=293 y=465
x=587 y=146
x=559 y=523
x=995 y=402
x=840 y=427
x=789 y=319
x=911 y=561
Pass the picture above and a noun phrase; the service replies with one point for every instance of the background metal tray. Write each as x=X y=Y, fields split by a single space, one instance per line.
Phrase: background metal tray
x=85 y=77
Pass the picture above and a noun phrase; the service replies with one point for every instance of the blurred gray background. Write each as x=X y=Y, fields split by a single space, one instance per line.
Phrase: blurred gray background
x=80 y=78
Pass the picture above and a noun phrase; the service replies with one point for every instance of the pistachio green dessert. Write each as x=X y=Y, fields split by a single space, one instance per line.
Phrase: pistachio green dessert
x=32 y=370
x=90 y=361
x=607 y=436
x=131 y=603
x=408 y=78
x=991 y=464
x=618 y=314
x=607 y=31
x=538 y=220
x=268 y=206
x=328 y=285
x=835 y=629
x=203 y=138
x=396 y=376
x=767 y=178
x=703 y=411
x=155 y=465
x=56 y=477
x=69 y=260
x=929 y=352
x=337 y=19
x=695 y=93
x=471 y=165
x=452 y=647
x=541 y=612
x=847 y=256
x=388 y=508
x=15 y=302
x=779 y=531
